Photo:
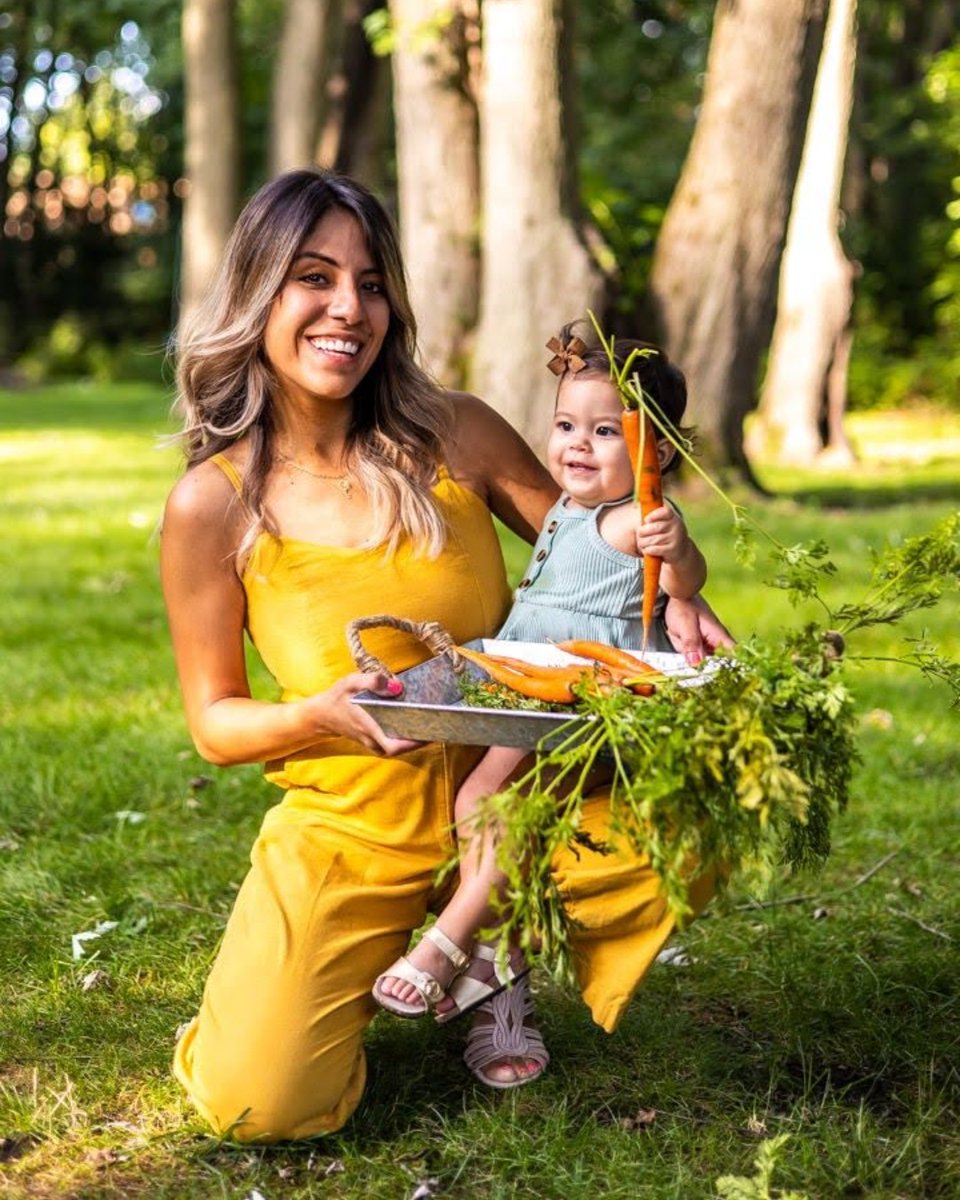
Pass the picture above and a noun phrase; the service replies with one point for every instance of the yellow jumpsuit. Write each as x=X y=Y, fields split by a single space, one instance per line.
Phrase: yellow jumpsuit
x=343 y=868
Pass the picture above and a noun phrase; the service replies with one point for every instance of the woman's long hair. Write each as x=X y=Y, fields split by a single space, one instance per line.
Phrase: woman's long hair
x=225 y=384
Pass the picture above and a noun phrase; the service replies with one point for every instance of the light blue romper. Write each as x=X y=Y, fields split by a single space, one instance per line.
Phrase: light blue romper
x=576 y=585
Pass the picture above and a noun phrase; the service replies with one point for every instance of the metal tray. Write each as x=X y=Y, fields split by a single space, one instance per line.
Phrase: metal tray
x=431 y=708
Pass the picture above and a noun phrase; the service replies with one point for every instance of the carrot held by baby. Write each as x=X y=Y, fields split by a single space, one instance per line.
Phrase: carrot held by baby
x=641 y=439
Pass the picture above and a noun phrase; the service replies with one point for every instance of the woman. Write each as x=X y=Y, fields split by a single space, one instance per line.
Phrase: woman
x=329 y=479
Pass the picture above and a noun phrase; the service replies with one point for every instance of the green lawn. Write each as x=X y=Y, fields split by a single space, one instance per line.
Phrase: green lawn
x=832 y=1018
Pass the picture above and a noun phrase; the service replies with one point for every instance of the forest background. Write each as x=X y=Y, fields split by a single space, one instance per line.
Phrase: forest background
x=540 y=157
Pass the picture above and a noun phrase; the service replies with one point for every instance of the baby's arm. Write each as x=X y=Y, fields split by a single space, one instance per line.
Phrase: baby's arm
x=663 y=534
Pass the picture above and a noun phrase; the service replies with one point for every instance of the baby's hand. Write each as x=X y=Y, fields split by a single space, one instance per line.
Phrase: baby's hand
x=662 y=534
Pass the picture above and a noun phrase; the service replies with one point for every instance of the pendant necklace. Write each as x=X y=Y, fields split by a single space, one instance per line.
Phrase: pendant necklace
x=343 y=482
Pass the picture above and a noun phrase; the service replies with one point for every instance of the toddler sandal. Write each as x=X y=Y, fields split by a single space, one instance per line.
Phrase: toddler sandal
x=506 y=1036
x=429 y=988
x=469 y=991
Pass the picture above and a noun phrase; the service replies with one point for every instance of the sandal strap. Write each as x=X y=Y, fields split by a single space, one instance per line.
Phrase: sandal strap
x=447 y=947
x=507 y=1035
x=429 y=988
x=468 y=993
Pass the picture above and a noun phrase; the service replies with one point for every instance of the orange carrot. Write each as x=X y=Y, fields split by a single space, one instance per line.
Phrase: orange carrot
x=641 y=439
x=610 y=656
x=574 y=672
x=556 y=691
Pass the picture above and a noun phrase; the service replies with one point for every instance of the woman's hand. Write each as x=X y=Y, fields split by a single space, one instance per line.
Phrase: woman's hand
x=333 y=713
x=695 y=629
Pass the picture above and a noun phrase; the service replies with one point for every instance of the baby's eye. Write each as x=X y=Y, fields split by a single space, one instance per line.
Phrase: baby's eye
x=607 y=431
x=564 y=426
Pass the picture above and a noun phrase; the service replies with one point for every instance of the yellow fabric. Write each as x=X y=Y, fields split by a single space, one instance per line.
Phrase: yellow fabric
x=343 y=868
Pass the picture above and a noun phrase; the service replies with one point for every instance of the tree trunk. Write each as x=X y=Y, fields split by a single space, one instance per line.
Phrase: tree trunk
x=437 y=167
x=816 y=279
x=714 y=277
x=537 y=270
x=212 y=142
x=309 y=44
x=356 y=133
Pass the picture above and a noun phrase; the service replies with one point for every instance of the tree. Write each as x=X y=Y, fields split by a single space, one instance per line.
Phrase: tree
x=212 y=146
x=309 y=43
x=807 y=372
x=357 y=132
x=714 y=277
x=537 y=270
x=437 y=167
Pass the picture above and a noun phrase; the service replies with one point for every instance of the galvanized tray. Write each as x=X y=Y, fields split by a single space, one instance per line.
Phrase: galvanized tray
x=432 y=710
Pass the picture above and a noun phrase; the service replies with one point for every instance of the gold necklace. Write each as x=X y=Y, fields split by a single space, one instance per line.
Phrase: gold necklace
x=343 y=482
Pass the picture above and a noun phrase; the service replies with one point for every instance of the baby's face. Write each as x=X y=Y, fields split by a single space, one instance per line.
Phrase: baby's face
x=586 y=453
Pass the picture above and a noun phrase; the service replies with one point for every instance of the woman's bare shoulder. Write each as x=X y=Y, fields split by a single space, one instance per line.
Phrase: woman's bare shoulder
x=204 y=499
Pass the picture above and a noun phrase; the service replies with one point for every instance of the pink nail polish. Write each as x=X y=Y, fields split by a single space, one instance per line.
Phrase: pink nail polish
x=394 y=687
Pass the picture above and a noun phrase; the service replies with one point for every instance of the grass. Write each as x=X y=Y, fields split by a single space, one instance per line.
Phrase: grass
x=832 y=1018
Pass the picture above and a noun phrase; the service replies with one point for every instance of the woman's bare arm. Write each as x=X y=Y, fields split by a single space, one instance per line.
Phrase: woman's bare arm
x=492 y=459
x=206 y=609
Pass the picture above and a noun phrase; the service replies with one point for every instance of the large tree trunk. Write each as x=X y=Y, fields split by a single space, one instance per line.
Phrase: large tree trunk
x=536 y=268
x=212 y=143
x=714 y=277
x=810 y=346
x=438 y=184
x=309 y=43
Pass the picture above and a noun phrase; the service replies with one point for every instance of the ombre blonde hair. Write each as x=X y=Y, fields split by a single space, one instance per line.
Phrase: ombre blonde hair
x=225 y=384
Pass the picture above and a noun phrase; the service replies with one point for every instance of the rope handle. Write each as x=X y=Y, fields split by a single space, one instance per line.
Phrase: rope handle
x=431 y=633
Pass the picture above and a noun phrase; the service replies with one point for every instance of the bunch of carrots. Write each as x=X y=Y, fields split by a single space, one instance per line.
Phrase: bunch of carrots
x=607 y=669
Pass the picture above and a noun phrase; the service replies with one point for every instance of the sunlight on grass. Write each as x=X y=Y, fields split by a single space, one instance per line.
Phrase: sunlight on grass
x=831 y=1014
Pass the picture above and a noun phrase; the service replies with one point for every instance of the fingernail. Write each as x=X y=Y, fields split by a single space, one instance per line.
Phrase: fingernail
x=394 y=687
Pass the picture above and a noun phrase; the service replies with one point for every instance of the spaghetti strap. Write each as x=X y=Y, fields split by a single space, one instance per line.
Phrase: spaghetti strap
x=231 y=472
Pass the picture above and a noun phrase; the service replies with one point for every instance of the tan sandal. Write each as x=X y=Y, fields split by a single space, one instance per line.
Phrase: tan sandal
x=469 y=992
x=506 y=1036
x=431 y=991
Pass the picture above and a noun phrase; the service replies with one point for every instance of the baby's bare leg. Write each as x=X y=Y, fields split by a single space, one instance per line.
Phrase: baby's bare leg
x=469 y=908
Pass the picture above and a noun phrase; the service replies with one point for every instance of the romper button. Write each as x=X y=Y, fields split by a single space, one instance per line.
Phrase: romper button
x=541 y=555
x=525 y=583
x=551 y=528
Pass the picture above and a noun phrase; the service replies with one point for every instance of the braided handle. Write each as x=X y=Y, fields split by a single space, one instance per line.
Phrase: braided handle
x=430 y=632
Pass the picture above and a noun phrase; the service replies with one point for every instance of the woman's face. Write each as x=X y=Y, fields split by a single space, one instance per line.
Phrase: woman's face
x=586 y=453
x=328 y=322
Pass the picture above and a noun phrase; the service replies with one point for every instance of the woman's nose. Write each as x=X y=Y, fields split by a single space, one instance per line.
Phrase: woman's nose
x=345 y=302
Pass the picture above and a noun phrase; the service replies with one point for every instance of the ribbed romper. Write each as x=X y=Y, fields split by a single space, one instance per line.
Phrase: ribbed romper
x=343 y=868
x=577 y=585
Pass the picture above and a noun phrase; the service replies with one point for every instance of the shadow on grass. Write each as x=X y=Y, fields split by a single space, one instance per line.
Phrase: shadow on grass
x=880 y=493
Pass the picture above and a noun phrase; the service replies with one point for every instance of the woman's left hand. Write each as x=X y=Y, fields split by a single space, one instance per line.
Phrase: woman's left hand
x=695 y=629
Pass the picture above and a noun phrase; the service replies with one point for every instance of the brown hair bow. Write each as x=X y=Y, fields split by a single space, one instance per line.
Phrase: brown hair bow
x=566 y=357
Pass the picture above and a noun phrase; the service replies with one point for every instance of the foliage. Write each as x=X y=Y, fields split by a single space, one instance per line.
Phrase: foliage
x=738 y=1187
x=900 y=217
x=639 y=69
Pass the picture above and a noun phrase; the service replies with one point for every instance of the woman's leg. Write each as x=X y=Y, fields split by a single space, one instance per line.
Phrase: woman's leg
x=276 y=1049
x=619 y=919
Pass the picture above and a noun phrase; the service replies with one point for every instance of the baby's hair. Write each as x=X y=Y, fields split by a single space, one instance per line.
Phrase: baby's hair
x=660 y=379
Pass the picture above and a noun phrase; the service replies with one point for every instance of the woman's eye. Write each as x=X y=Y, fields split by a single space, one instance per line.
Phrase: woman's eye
x=314 y=278
x=375 y=287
